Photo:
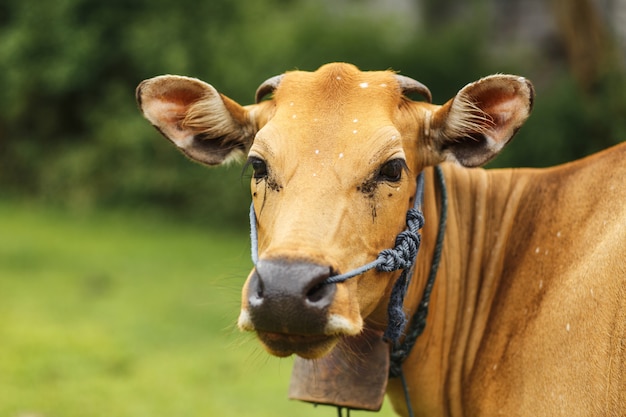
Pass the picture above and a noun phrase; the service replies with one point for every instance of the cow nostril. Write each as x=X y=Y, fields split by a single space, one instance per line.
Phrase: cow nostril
x=256 y=291
x=320 y=292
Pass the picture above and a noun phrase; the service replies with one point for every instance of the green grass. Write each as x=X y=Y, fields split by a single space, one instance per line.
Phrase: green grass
x=128 y=315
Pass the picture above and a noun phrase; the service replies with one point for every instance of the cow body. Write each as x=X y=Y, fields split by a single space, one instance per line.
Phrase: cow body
x=527 y=314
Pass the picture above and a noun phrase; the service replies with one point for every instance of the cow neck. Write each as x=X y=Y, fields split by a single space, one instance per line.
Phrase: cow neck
x=400 y=351
x=401 y=257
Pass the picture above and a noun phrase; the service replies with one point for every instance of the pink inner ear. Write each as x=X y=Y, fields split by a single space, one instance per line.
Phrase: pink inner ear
x=505 y=106
x=167 y=113
x=173 y=115
x=500 y=106
x=166 y=100
x=181 y=96
x=502 y=114
x=164 y=114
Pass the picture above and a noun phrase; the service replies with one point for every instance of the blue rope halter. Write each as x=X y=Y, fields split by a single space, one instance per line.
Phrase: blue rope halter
x=401 y=256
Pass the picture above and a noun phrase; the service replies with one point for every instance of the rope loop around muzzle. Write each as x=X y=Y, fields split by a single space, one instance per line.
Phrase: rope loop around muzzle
x=401 y=257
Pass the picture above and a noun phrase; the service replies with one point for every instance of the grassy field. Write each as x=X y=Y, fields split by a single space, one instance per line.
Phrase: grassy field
x=129 y=316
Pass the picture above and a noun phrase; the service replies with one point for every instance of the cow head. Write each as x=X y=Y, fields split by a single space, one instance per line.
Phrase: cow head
x=334 y=156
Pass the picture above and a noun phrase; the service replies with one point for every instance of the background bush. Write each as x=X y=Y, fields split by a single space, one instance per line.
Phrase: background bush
x=71 y=135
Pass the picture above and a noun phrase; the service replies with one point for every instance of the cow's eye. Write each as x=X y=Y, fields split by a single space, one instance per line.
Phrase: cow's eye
x=391 y=171
x=259 y=167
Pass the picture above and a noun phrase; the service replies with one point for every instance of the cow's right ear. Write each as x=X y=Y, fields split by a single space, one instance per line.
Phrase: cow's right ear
x=481 y=119
x=205 y=125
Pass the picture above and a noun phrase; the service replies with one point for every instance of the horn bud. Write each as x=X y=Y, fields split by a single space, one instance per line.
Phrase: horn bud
x=268 y=87
x=409 y=85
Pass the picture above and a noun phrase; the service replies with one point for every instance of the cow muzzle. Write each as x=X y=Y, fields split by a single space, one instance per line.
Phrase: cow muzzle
x=287 y=304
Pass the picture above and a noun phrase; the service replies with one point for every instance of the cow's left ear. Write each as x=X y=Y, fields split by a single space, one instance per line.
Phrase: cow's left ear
x=205 y=125
x=481 y=119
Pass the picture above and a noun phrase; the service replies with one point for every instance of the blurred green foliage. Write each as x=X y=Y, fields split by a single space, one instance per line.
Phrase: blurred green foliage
x=70 y=133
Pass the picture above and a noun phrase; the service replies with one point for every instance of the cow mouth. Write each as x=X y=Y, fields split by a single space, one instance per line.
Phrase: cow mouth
x=305 y=346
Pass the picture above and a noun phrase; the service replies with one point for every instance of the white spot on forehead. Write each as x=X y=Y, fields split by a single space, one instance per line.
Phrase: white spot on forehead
x=314 y=174
x=338 y=78
x=317 y=152
x=294 y=116
x=567 y=327
x=340 y=155
x=383 y=85
x=355 y=131
x=355 y=121
x=364 y=85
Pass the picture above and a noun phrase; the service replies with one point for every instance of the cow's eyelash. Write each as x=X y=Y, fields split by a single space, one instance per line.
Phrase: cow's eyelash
x=391 y=171
x=259 y=167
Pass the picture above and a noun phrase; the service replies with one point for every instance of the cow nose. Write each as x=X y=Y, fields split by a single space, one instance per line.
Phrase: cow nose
x=289 y=297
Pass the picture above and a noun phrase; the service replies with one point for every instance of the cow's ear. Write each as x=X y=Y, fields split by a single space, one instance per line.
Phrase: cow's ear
x=481 y=119
x=204 y=124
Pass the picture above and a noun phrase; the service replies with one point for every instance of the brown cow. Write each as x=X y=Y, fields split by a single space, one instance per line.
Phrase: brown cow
x=528 y=312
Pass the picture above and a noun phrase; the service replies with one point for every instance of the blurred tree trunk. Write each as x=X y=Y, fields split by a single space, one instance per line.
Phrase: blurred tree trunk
x=438 y=12
x=589 y=43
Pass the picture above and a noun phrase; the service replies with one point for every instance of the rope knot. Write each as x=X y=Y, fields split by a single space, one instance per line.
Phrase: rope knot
x=414 y=219
x=403 y=254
